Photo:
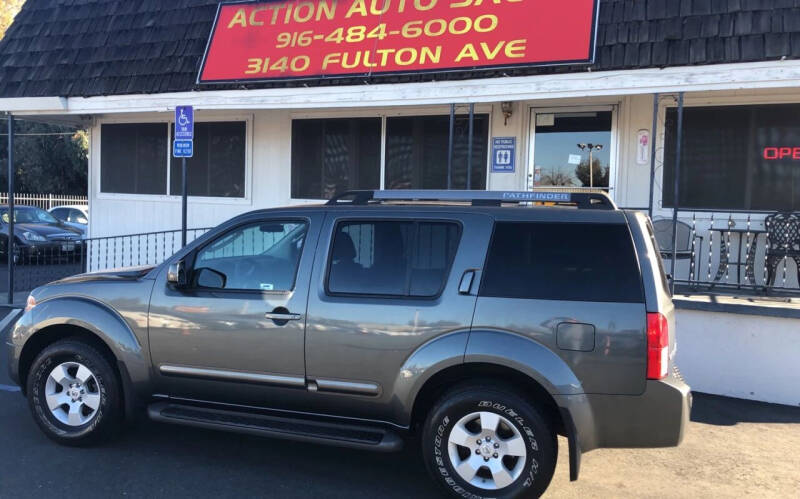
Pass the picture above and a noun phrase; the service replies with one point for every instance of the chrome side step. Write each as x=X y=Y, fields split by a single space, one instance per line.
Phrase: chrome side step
x=300 y=429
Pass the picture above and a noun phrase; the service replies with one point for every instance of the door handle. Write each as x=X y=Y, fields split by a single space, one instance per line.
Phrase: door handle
x=283 y=316
x=465 y=286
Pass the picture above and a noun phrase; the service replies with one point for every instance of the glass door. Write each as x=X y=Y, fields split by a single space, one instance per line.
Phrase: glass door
x=565 y=142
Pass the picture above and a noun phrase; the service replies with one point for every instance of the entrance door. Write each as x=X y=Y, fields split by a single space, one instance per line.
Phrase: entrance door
x=563 y=142
x=236 y=333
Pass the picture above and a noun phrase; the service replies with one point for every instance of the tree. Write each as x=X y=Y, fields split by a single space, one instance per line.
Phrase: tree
x=8 y=9
x=599 y=174
x=557 y=179
x=47 y=158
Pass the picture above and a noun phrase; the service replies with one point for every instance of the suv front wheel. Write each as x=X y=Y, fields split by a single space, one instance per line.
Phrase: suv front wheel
x=484 y=441
x=73 y=393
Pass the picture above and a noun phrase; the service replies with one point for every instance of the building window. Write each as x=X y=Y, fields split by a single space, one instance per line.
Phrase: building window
x=735 y=158
x=218 y=166
x=416 y=152
x=133 y=158
x=576 y=262
x=335 y=155
x=392 y=258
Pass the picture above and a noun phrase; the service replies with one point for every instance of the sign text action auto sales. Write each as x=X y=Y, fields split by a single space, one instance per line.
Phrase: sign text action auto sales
x=326 y=38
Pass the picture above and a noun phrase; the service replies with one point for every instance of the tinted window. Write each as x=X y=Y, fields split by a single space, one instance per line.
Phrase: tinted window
x=335 y=155
x=262 y=256
x=77 y=216
x=735 y=157
x=416 y=152
x=218 y=166
x=133 y=158
x=392 y=258
x=548 y=261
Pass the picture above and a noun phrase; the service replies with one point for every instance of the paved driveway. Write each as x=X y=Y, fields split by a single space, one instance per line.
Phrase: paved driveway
x=733 y=449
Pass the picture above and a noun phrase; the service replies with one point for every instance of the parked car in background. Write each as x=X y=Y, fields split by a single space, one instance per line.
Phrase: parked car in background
x=74 y=215
x=39 y=236
x=483 y=330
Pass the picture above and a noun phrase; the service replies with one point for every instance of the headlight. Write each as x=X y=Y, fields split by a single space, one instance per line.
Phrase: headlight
x=32 y=236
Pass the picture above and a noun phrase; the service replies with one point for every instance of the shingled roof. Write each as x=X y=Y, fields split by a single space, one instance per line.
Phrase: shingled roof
x=112 y=47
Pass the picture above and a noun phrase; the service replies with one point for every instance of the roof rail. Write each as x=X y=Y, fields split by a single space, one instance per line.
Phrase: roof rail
x=583 y=200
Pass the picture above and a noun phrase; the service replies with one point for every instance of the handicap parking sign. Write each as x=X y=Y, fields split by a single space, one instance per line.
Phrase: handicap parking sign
x=504 y=152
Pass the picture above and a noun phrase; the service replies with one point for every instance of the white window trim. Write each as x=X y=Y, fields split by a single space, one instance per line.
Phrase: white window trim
x=168 y=198
x=670 y=101
x=383 y=114
x=614 y=168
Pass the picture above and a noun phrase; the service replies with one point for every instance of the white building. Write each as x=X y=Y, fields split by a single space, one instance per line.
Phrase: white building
x=120 y=71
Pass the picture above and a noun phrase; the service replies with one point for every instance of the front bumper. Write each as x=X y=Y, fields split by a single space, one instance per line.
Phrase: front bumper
x=656 y=418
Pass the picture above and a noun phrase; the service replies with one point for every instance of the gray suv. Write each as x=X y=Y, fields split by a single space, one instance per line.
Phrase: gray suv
x=482 y=323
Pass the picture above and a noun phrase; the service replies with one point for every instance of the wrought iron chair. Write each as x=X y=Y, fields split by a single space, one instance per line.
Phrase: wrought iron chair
x=688 y=243
x=783 y=241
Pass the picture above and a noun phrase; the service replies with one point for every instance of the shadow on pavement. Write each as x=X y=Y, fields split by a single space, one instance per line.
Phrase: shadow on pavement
x=726 y=411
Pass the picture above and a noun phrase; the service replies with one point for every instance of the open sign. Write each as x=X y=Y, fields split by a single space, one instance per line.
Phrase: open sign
x=773 y=153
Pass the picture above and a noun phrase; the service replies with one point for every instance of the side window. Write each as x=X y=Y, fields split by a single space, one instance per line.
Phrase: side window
x=262 y=256
x=77 y=217
x=60 y=213
x=392 y=258
x=549 y=261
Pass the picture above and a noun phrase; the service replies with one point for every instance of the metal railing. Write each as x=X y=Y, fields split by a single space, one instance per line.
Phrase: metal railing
x=150 y=248
x=728 y=253
x=44 y=201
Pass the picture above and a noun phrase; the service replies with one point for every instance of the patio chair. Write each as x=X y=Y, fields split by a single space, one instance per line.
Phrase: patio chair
x=783 y=241
x=683 y=243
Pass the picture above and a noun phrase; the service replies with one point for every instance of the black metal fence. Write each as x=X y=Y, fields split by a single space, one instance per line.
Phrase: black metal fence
x=730 y=252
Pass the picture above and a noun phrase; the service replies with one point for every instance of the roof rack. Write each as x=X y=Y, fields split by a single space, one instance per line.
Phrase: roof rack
x=582 y=200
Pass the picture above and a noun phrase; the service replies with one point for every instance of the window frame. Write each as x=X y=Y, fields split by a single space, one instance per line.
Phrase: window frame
x=383 y=114
x=97 y=172
x=364 y=220
x=190 y=260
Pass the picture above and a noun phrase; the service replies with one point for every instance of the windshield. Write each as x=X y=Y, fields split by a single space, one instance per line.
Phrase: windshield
x=29 y=215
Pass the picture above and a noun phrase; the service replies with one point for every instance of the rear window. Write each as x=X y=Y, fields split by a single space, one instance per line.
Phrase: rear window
x=548 y=261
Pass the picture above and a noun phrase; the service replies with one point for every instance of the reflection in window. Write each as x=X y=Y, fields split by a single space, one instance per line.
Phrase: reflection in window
x=330 y=156
x=218 y=166
x=416 y=152
x=559 y=162
x=262 y=256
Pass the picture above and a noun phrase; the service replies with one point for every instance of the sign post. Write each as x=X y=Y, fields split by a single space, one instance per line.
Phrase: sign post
x=183 y=147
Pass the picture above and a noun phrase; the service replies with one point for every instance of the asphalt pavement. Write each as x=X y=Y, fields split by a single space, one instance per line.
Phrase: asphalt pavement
x=733 y=448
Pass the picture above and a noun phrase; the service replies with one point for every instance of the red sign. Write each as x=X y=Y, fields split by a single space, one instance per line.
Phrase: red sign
x=333 y=38
x=773 y=153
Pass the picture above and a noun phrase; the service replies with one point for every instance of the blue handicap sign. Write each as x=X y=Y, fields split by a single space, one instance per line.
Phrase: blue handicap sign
x=184 y=123
x=504 y=152
x=183 y=148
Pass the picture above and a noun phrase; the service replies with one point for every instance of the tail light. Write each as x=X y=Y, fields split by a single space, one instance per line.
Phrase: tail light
x=657 y=346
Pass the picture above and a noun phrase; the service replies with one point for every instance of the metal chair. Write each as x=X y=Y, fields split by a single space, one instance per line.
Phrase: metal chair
x=783 y=241
x=686 y=242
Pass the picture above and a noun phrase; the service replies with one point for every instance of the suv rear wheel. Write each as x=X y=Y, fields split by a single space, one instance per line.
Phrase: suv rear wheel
x=484 y=441
x=73 y=393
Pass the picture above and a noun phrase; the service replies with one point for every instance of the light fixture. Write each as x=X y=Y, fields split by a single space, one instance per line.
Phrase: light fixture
x=508 y=109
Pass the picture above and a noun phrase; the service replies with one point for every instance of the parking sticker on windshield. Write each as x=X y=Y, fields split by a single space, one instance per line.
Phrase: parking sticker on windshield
x=267 y=286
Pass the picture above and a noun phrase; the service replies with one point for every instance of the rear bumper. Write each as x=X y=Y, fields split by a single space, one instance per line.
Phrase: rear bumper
x=656 y=418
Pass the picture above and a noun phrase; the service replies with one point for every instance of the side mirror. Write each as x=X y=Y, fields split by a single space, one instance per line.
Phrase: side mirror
x=210 y=278
x=176 y=274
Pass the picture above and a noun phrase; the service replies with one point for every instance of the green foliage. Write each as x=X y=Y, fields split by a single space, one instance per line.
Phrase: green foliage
x=54 y=164
x=599 y=173
x=8 y=9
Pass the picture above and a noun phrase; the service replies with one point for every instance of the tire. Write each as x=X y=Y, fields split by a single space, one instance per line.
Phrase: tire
x=465 y=415
x=73 y=372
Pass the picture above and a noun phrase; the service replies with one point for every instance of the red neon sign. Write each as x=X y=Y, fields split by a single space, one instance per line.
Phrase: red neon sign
x=334 y=38
x=777 y=153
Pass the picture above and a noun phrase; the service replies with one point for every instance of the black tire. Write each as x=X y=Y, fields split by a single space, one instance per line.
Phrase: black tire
x=539 y=437
x=106 y=419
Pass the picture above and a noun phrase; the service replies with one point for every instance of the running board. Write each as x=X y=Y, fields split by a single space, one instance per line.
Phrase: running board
x=304 y=430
